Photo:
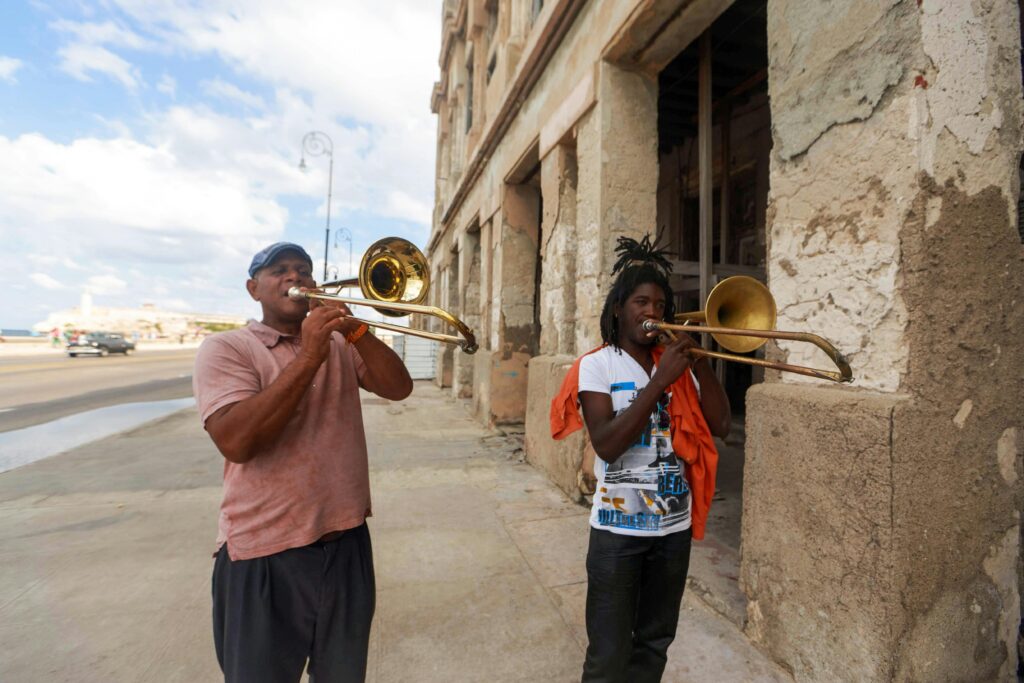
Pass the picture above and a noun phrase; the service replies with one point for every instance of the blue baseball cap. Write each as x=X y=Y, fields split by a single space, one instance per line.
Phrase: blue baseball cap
x=266 y=256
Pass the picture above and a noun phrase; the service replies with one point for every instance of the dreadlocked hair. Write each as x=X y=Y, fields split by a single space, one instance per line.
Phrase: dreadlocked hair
x=638 y=263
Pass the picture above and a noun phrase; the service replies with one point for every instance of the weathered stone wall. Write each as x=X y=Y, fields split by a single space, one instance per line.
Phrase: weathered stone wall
x=881 y=523
x=615 y=193
x=842 y=176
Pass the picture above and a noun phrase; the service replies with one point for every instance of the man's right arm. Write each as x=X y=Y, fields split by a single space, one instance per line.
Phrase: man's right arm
x=240 y=429
x=611 y=434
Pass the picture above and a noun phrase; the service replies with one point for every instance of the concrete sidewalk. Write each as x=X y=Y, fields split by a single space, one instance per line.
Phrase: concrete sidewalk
x=105 y=561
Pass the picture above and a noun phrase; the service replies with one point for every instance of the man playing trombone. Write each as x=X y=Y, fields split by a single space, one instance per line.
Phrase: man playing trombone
x=293 y=578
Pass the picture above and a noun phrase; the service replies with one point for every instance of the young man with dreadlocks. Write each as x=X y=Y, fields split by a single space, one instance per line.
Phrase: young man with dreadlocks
x=648 y=410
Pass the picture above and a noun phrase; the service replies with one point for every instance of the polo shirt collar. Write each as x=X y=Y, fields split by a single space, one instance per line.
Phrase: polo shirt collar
x=267 y=335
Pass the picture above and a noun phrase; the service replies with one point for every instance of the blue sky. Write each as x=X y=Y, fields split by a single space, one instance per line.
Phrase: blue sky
x=149 y=147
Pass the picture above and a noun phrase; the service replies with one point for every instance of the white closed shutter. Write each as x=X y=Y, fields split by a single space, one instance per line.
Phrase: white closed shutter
x=420 y=356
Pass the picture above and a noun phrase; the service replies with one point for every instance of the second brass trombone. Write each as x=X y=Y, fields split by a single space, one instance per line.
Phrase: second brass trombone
x=740 y=314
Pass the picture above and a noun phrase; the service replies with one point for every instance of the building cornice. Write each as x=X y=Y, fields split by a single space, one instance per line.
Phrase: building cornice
x=452 y=30
x=535 y=61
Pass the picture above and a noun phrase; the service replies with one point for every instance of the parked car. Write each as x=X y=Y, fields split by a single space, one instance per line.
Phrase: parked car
x=100 y=344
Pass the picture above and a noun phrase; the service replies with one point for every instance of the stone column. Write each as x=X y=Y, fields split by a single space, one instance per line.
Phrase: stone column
x=469 y=310
x=617 y=156
x=881 y=525
x=481 y=360
x=501 y=369
x=558 y=230
x=614 y=192
x=445 y=355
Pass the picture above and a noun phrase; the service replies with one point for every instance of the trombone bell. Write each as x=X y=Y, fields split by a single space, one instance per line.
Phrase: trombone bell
x=395 y=271
x=740 y=302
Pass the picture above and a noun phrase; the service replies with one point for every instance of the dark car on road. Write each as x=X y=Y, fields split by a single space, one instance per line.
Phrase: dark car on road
x=100 y=344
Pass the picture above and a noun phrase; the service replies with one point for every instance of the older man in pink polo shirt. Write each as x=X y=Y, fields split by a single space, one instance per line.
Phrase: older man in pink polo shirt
x=293 y=578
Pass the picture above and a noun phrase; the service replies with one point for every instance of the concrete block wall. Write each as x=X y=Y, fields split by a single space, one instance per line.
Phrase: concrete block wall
x=559 y=460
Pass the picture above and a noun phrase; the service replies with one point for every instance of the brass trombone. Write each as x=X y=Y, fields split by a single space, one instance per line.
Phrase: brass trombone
x=740 y=313
x=394 y=278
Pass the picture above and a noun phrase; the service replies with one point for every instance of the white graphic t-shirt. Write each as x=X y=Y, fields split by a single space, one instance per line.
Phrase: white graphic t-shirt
x=644 y=492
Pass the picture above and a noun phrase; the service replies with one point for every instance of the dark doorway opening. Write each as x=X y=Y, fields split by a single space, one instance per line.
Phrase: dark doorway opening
x=714 y=141
x=738 y=122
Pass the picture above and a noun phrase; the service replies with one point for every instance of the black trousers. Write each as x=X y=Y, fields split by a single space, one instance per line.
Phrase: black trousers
x=635 y=586
x=271 y=614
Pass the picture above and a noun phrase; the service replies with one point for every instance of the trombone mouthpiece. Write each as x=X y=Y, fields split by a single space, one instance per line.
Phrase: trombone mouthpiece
x=296 y=293
x=650 y=326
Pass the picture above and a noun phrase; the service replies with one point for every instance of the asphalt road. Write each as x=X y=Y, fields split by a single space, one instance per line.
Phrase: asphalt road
x=38 y=389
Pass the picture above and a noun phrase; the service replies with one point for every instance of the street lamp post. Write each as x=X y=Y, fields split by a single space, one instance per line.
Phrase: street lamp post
x=317 y=143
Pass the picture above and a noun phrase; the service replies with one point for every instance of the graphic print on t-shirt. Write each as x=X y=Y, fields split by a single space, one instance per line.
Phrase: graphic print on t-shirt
x=643 y=492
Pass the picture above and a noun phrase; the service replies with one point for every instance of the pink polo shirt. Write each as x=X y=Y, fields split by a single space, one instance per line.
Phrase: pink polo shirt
x=312 y=479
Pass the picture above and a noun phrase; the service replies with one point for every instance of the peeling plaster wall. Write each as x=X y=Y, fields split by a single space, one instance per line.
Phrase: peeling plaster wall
x=960 y=55
x=964 y=286
x=892 y=232
x=838 y=192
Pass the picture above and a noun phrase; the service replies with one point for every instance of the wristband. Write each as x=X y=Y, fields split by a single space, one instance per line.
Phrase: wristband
x=353 y=337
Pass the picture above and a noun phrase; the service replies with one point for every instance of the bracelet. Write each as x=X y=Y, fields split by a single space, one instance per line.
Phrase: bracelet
x=353 y=337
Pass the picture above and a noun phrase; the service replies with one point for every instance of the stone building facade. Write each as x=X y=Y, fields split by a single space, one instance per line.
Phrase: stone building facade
x=863 y=159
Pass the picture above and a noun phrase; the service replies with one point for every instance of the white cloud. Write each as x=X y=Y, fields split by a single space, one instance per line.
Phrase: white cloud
x=8 y=67
x=45 y=281
x=96 y=200
x=105 y=33
x=105 y=284
x=401 y=205
x=81 y=59
x=88 y=53
x=330 y=54
x=187 y=193
x=167 y=85
x=228 y=91
x=355 y=56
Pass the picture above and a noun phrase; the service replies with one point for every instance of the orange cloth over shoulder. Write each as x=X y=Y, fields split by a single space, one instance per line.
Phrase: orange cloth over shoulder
x=691 y=438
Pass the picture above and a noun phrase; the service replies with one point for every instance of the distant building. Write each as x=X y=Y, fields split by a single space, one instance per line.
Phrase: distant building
x=146 y=322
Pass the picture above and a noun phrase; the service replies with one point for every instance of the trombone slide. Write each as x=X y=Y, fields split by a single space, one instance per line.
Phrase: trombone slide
x=843 y=376
x=467 y=342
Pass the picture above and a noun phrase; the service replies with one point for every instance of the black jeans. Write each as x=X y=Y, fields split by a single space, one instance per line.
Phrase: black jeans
x=635 y=586
x=271 y=614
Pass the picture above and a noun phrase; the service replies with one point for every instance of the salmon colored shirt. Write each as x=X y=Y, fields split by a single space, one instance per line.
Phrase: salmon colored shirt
x=314 y=477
